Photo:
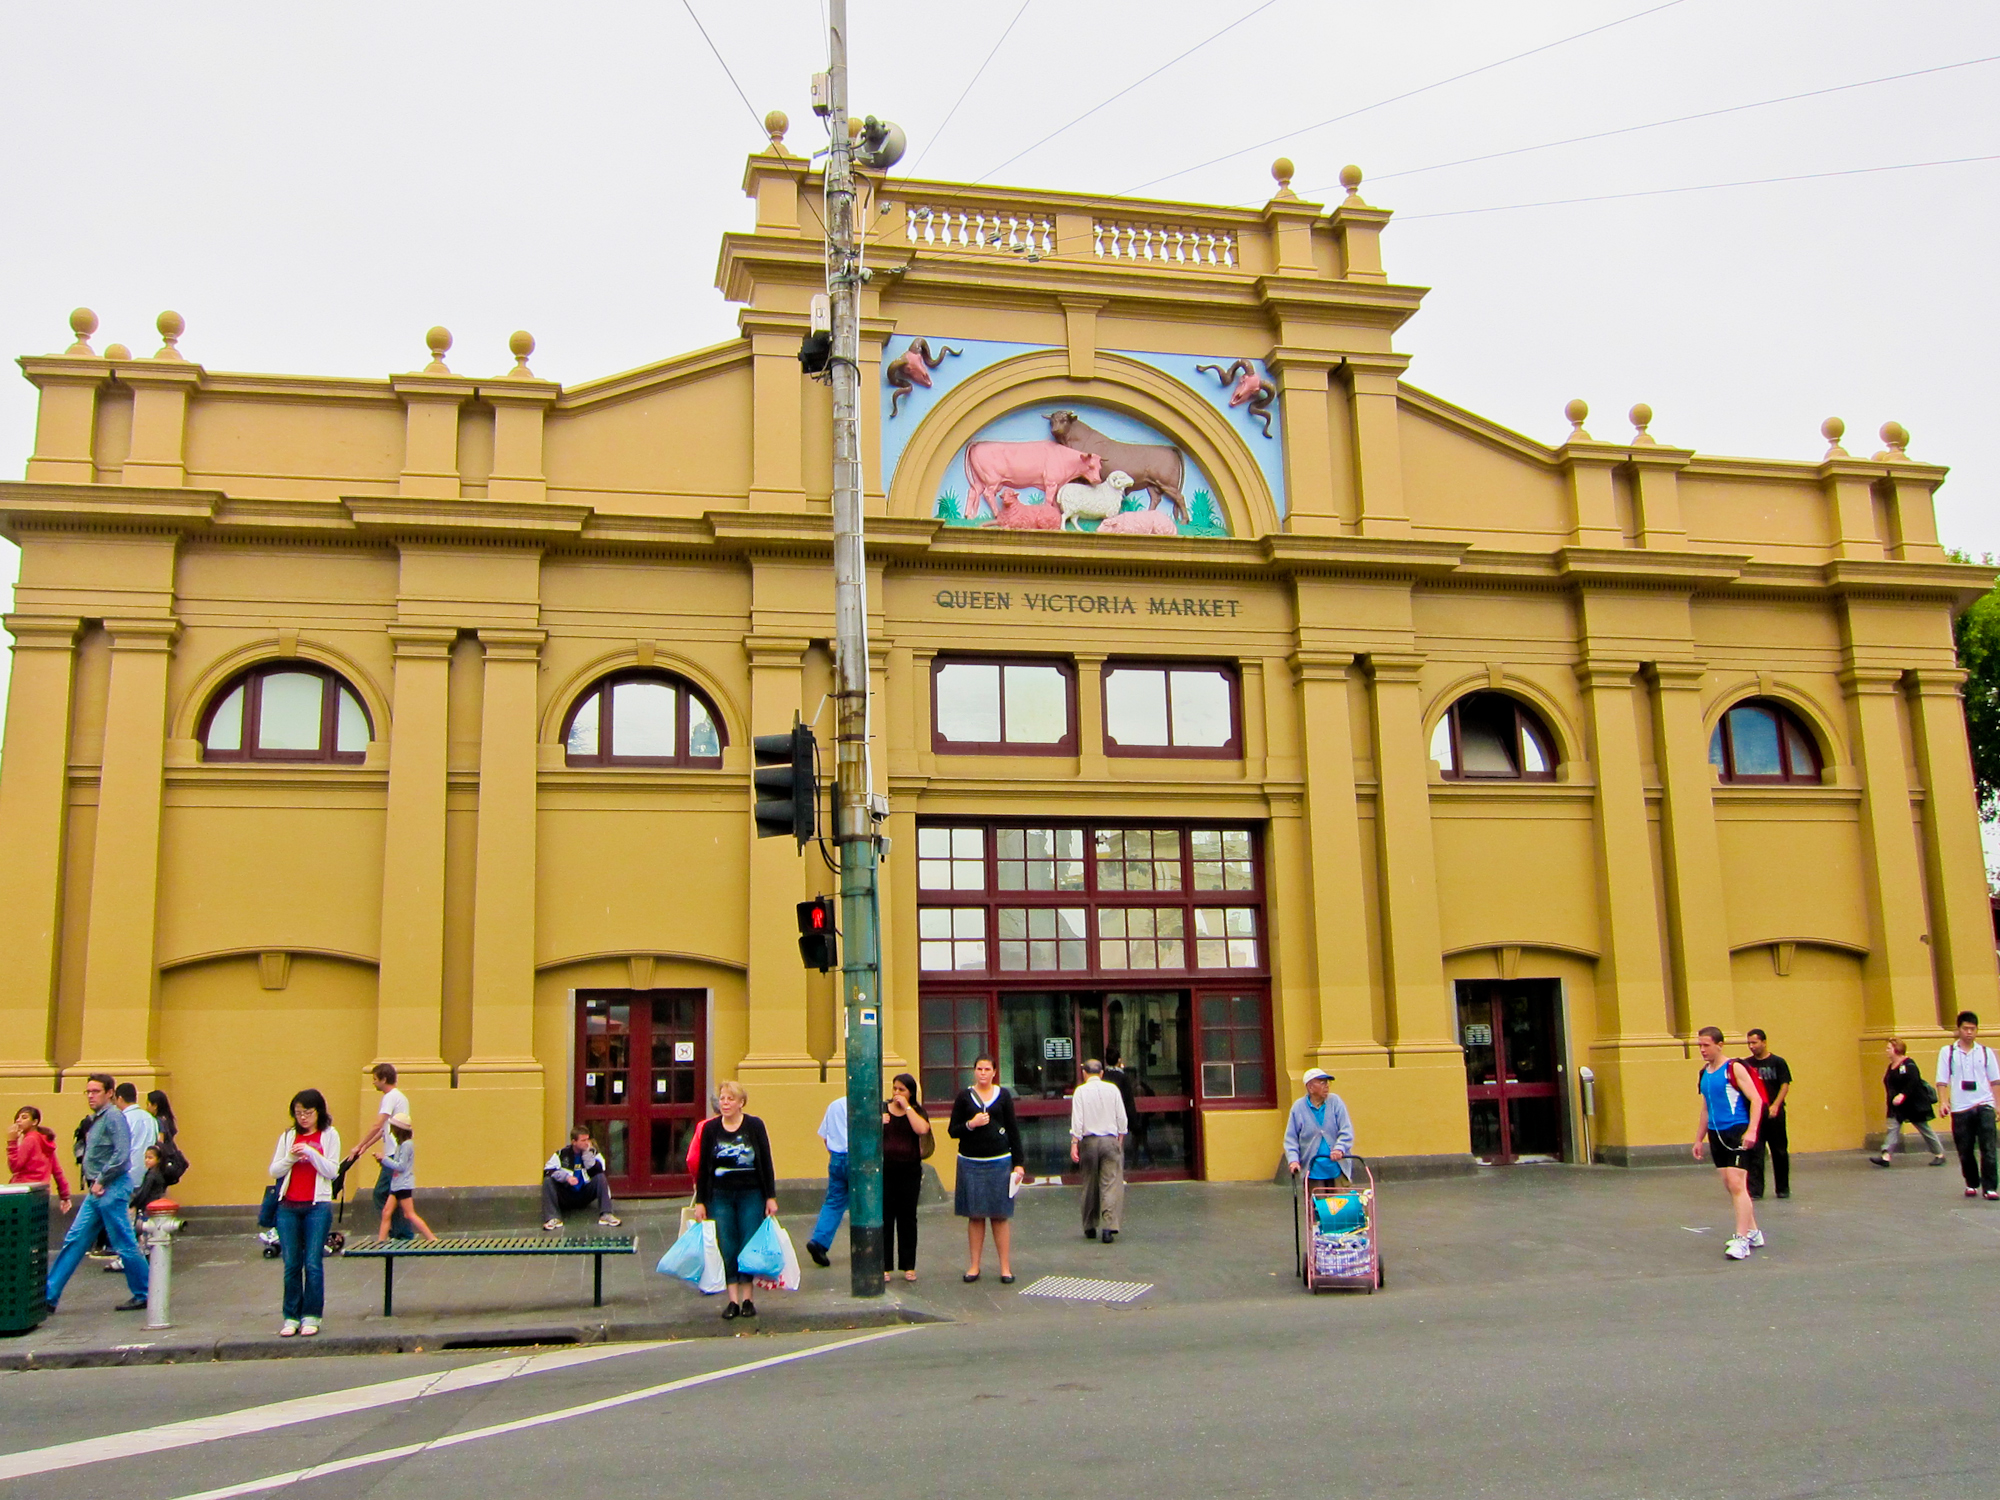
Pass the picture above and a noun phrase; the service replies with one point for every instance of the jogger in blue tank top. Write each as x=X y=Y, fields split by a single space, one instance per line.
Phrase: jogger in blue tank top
x=1728 y=1131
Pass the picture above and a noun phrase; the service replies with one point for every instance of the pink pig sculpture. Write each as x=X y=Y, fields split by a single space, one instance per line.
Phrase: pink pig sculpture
x=1139 y=523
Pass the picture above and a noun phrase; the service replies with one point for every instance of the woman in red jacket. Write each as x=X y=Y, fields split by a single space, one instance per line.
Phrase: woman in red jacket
x=31 y=1153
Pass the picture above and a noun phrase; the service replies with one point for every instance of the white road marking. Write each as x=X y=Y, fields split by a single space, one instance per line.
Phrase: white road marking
x=452 y=1440
x=1084 y=1289
x=304 y=1409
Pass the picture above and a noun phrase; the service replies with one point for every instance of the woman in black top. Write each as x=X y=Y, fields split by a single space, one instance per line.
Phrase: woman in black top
x=990 y=1165
x=1904 y=1089
x=905 y=1127
x=735 y=1185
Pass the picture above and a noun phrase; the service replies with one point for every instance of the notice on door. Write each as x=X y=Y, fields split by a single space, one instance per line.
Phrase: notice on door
x=1479 y=1034
x=1058 y=1049
x=683 y=1051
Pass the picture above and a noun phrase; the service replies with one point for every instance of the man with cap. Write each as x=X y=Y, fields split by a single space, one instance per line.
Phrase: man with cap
x=1318 y=1134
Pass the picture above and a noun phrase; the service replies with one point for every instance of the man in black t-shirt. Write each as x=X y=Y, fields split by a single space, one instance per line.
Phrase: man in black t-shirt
x=1776 y=1076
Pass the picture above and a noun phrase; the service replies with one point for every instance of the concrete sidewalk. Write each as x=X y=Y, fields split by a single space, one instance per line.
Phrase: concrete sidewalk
x=1190 y=1242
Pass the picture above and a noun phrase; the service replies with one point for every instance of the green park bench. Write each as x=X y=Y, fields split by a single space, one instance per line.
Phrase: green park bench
x=597 y=1246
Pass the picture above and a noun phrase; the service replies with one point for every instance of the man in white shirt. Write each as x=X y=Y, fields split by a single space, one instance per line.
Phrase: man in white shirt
x=832 y=1130
x=145 y=1129
x=393 y=1103
x=1966 y=1073
x=1097 y=1126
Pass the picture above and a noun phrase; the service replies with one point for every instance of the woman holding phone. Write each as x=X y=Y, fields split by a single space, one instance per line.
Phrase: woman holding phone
x=306 y=1162
x=906 y=1128
x=990 y=1166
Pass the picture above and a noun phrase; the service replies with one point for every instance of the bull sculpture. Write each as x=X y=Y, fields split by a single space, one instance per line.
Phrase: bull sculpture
x=913 y=368
x=1158 y=470
x=1250 y=387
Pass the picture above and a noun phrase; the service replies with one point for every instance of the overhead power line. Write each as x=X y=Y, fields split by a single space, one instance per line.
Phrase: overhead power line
x=969 y=85
x=1398 y=98
x=1707 y=114
x=1703 y=187
x=1133 y=85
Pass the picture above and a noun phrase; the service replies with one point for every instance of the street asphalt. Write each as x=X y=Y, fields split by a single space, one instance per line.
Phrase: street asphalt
x=1545 y=1332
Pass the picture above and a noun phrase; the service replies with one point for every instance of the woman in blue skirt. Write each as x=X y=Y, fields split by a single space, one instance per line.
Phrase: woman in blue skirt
x=990 y=1165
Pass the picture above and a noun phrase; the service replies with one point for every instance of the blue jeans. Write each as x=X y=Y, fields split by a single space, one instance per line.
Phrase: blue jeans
x=834 y=1209
x=302 y=1231
x=109 y=1211
x=737 y=1213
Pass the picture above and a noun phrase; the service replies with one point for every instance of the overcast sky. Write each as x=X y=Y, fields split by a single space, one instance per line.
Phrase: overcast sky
x=313 y=187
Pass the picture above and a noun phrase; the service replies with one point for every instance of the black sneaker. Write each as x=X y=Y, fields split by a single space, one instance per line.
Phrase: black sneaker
x=749 y=1308
x=818 y=1253
x=731 y=1311
x=131 y=1304
x=1110 y=1235
x=1091 y=1233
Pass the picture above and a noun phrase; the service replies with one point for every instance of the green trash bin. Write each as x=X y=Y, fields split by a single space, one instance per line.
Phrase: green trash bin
x=24 y=1256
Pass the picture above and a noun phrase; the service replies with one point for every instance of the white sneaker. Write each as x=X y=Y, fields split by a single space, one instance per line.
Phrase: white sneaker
x=1738 y=1248
x=289 y=1328
x=308 y=1327
x=1756 y=1239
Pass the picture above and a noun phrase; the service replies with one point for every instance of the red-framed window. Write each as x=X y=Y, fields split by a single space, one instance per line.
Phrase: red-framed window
x=644 y=718
x=1235 y=1045
x=955 y=1031
x=1172 y=709
x=1493 y=737
x=991 y=705
x=1762 y=743
x=290 y=711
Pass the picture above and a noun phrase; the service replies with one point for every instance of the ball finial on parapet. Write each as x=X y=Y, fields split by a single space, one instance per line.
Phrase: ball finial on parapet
x=1833 y=429
x=439 y=342
x=1350 y=178
x=1576 y=411
x=117 y=351
x=1895 y=438
x=1642 y=418
x=82 y=323
x=521 y=344
x=1281 y=169
x=171 y=325
x=775 y=125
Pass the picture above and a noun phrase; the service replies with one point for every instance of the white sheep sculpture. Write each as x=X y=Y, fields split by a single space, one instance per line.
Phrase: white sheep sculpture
x=1099 y=502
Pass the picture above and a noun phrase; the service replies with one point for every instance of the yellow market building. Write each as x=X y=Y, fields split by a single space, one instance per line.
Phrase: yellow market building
x=1239 y=708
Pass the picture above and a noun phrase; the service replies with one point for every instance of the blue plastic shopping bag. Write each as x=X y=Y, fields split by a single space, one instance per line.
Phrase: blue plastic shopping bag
x=1340 y=1213
x=683 y=1257
x=764 y=1255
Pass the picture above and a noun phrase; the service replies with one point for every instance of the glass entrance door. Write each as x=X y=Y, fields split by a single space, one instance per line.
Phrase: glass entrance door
x=1514 y=1080
x=1142 y=1038
x=641 y=1058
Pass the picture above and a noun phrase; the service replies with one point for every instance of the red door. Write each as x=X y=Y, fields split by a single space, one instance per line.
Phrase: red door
x=641 y=1062
x=1513 y=1069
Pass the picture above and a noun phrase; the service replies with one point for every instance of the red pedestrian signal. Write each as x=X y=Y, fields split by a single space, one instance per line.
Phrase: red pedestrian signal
x=817 y=933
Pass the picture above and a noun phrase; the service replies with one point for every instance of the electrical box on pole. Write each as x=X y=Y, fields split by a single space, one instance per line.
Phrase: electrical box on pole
x=787 y=779
x=818 y=942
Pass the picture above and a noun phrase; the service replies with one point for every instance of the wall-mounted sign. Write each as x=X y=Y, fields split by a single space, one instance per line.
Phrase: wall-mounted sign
x=683 y=1051
x=1048 y=602
x=1058 y=1049
x=1479 y=1034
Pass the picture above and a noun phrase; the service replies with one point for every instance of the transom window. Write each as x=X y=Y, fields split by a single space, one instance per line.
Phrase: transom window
x=1492 y=737
x=644 y=719
x=1762 y=742
x=1083 y=899
x=1003 y=707
x=1170 y=711
x=287 y=711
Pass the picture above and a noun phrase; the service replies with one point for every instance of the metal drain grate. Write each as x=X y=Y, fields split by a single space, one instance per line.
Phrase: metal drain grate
x=1083 y=1289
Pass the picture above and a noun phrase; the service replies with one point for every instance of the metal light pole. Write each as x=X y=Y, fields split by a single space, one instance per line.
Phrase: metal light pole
x=854 y=825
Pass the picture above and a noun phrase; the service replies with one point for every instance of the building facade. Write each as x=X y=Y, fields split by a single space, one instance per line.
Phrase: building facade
x=1240 y=709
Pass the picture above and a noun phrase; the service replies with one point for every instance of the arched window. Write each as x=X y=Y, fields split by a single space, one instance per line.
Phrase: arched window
x=644 y=719
x=1764 y=743
x=287 y=711
x=1492 y=737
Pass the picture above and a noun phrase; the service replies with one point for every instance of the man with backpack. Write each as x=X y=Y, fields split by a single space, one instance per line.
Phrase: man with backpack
x=1728 y=1132
x=1774 y=1082
x=1966 y=1073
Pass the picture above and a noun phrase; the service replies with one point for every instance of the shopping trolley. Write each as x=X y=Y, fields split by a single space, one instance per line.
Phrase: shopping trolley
x=1334 y=1231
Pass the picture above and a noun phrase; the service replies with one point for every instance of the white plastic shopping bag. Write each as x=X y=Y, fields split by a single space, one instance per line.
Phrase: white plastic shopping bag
x=788 y=1278
x=712 y=1279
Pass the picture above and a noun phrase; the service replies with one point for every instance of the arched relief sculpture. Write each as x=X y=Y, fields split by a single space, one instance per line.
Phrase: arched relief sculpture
x=1079 y=467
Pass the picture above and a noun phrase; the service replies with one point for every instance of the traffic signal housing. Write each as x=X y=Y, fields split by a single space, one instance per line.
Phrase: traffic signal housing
x=817 y=938
x=787 y=780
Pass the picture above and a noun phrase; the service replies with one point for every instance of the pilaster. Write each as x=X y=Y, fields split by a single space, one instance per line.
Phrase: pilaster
x=34 y=784
x=66 y=418
x=1900 y=994
x=160 y=392
x=1378 y=443
x=776 y=983
x=1961 y=916
x=1849 y=487
x=1357 y=233
x=410 y=988
x=1412 y=935
x=430 y=433
x=1589 y=467
x=120 y=978
x=519 y=407
x=1304 y=383
x=777 y=397
x=1656 y=497
x=1339 y=947
x=1692 y=853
